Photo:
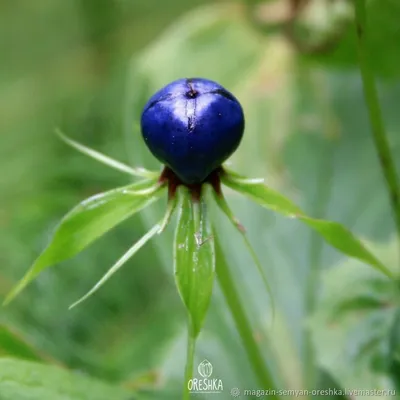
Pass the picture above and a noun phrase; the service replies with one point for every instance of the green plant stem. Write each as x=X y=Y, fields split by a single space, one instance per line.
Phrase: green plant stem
x=374 y=111
x=242 y=323
x=191 y=344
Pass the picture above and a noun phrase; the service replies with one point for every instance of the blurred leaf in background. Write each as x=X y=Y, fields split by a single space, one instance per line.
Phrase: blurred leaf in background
x=30 y=381
x=355 y=326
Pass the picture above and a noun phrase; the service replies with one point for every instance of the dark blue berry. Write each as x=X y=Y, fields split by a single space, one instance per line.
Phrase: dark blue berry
x=192 y=126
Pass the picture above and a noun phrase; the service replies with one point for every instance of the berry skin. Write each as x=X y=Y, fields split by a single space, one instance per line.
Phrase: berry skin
x=192 y=126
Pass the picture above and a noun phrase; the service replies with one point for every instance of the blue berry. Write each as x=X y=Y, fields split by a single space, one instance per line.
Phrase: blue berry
x=192 y=126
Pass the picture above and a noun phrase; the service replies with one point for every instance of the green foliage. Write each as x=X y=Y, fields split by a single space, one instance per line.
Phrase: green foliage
x=307 y=134
x=87 y=222
x=139 y=171
x=32 y=381
x=120 y=263
x=359 y=308
x=13 y=345
x=264 y=375
x=384 y=34
x=194 y=259
x=335 y=234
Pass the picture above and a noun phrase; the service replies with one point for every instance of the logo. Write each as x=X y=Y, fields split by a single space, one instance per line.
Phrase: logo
x=205 y=369
x=205 y=384
x=235 y=392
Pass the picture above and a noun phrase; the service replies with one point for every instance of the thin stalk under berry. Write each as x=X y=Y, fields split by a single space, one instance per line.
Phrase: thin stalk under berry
x=375 y=115
x=190 y=349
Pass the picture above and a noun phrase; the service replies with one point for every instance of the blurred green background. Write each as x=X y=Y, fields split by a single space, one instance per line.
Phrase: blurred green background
x=88 y=66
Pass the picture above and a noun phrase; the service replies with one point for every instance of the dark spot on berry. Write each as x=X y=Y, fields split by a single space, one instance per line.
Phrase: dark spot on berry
x=192 y=94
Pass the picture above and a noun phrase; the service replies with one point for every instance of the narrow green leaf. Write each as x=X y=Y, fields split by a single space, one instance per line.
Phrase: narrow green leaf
x=342 y=239
x=137 y=246
x=141 y=172
x=224 y=207
x=194 y=258
x=334 y=233
x=263 y=195
x=171 y=206
x=23 y=380
x=359 y=304
x=85 y=223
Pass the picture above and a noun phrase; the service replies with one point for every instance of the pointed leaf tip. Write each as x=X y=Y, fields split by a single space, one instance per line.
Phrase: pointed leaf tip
x=88 y=221
x=334 y=233
x=130 y=253
x=106 y=160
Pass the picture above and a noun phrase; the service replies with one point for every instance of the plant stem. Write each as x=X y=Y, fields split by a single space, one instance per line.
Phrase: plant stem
x=242 y=323
x=375 y=115
x=191 y=343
